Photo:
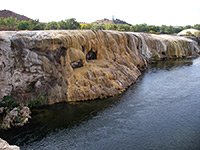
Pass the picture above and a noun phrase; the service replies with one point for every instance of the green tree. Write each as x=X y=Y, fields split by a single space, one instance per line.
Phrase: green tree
x=23 y=25
x=98 y=27
x=137 y=28
x=1 y=23
x=10 y=22
x=197 y=26
x=153 y=29
x=188 y=27
x=36 y=25
x=123 y=27
x=62 y=24
x=52 y=26
x=72 y=24
x=178 y=29
x=169 y=29
x=163 y=29
x=111 y=27
x=30 y=25
x=87 y=26
x=69 y=24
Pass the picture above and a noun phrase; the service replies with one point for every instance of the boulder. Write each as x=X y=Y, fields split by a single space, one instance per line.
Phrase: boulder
x=5 y=146
x=18 y=116
x=190 y=32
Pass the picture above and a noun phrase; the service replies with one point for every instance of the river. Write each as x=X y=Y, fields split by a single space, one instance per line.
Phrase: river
x=160 y=111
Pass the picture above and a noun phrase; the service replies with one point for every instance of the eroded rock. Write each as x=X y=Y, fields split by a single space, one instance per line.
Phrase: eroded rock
x=18 y=116
x=80 y=65
x=5 y=146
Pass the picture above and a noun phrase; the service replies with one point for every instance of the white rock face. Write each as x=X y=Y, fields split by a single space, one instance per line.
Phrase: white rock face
x=5 y=146
x=192 y=31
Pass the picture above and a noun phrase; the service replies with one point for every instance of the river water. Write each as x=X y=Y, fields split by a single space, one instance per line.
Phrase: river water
x=160 y=111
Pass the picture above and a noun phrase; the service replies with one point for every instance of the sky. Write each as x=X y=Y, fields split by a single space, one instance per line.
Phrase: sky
x=151 y=12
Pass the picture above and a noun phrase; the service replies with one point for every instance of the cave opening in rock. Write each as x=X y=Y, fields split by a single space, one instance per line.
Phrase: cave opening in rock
x=91 y=55
x=77 y=64
x=83 y=49
x=55 y=55
x=163 y=53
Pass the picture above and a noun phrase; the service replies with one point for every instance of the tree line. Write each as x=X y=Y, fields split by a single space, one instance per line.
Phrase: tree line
x=14 y=24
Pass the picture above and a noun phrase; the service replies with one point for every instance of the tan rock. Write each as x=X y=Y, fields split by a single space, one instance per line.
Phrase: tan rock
x=80 y=64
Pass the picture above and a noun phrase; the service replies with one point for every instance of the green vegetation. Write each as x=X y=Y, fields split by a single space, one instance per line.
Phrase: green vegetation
x=39 y=101
x=31 y=85
x=155 y=57
x=189 y=33
x=9 y=102
x=30 y=25
x=14 y=24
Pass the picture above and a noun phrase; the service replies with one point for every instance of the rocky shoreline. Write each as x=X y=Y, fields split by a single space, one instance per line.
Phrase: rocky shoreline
x=46 y=67
x=15 y=117
x=5 y=146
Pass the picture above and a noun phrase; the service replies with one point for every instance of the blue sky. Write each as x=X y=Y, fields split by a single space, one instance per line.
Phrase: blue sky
x=152 y=12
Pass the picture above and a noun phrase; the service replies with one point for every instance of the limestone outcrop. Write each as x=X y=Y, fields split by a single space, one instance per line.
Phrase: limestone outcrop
x=46 y=67
x=190 y=32
x=5 y=146
x=18 y=116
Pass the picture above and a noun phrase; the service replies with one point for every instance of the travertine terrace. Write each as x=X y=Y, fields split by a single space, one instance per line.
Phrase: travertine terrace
x=80 y=64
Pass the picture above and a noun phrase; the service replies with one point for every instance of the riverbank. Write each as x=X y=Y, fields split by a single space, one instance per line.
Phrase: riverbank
x=160 y=111
x=47 y=67
x=5 y=146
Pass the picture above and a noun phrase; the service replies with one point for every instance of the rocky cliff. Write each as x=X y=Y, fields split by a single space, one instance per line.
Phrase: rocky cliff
x=46 y=67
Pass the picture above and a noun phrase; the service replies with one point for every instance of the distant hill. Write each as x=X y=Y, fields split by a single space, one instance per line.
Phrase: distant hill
x=8 y=13
x=115 y=21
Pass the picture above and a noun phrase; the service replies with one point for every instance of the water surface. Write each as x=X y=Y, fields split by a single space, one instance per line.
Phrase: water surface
x=160 y=111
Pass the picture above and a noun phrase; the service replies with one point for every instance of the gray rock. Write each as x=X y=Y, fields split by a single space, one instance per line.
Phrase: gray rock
x=38 y=84
x=1 y=110
x=5 y=146
x=16 y=117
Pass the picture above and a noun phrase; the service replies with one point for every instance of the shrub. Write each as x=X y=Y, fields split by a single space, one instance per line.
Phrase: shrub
x=9 y=102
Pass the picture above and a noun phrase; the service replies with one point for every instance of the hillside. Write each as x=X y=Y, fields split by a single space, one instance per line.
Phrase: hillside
x=115 y=21
x=8 y=13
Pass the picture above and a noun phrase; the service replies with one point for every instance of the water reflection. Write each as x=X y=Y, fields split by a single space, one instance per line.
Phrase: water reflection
x=170 y=64
x=48 y=119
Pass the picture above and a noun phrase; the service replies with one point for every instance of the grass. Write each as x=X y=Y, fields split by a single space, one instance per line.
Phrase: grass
x=9 y=101
x=39 y=101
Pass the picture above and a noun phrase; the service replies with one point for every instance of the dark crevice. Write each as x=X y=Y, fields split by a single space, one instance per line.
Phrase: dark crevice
x=60 y=43
x=57 y=54
x=77 y=64
x=91 y=55
x=83 y=49
x=128 y=42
